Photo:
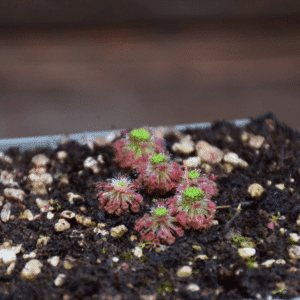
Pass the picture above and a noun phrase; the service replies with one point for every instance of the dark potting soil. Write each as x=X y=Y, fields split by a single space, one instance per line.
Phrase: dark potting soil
x=97 y=261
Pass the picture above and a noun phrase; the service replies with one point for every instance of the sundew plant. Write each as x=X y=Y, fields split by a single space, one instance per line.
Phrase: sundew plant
x=136 y=148
x=191 y=207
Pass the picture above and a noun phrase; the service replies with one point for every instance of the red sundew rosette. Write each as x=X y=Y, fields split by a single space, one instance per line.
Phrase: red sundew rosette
x=198 y=215
x=157 y=228
x=136 y=148
x=118 y=193
x=159 y=175
x=197 y=179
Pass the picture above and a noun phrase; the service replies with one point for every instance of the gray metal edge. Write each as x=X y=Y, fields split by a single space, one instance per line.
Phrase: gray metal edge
x=52 y=141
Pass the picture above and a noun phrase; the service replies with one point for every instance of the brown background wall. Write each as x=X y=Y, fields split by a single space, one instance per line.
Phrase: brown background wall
x=51 y=12
x=157 y=65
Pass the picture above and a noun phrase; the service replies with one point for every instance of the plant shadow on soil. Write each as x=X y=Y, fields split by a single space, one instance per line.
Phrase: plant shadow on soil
x=223 y=275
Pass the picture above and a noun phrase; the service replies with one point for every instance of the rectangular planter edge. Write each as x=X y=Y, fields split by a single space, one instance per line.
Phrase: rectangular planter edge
x=52 y=141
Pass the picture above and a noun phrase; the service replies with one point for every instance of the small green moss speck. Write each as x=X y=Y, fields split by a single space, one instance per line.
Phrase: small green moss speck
x=251 y=262
x=144 y=258
x=281 y=288
x=238 y=239
x=165 y=286
x=144 y=280
x=195 y=272
x=121 y=183
x=291 y=242
x=229 y=216
x=126 y=256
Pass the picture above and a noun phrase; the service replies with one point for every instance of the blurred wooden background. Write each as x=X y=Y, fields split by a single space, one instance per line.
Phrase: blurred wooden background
x=76 y=66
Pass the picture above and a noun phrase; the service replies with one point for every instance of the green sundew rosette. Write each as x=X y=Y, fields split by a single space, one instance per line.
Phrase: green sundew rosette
x=158 y=159
x=155 y=161
x=160 y=212
x=191 y=195
x=194 y=175
x=136 y=137
x=188 y=199
x=141 y=135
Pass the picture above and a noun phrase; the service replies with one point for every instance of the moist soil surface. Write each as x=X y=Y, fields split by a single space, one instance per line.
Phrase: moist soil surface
x=99 y=266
